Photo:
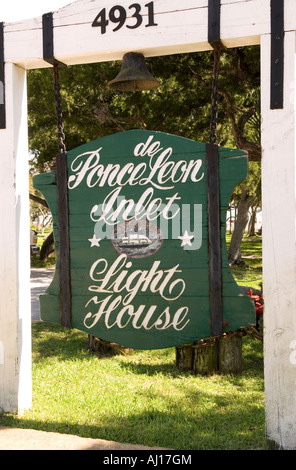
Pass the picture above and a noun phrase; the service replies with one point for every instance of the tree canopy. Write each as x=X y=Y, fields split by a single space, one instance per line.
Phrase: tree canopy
x=182 y=104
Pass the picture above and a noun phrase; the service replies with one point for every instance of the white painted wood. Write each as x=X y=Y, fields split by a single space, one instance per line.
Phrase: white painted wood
x=15 y=302
x=1 y=353
x=23 y=43
x=279 y=250
x=175 y=23
x=181 y=27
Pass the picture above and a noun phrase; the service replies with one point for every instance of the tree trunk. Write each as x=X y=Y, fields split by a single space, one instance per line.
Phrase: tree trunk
x=230 y=355
x=105 y=348
x=234 y=251
x=47 y=247
x=206 y=359
x=252 y=223
x=221 y=354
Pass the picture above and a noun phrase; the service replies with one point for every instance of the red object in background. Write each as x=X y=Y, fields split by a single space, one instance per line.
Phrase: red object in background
x=258 y=300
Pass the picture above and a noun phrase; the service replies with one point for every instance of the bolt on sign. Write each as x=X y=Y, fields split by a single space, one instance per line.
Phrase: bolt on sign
x=139 y=263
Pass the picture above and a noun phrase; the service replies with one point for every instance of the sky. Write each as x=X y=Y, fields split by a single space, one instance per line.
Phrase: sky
x=15 y=10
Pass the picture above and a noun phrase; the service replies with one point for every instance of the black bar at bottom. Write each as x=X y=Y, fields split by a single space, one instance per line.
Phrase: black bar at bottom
x=214 y=239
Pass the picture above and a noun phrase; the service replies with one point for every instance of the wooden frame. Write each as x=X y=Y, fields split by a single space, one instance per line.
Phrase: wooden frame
x=181 y=27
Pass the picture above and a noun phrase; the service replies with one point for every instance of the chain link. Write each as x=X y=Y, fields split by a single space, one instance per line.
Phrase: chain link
x=214 y=110
x=58 y=100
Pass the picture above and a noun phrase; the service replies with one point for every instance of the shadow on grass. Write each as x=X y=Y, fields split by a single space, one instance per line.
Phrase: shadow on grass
x=50 y=339
x=212 y=429
x=65 y=345
x=252 y=363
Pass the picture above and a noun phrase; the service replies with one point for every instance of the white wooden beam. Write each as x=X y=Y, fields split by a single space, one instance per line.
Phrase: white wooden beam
x=15 y=302
x=279 y=250
x=181 y=27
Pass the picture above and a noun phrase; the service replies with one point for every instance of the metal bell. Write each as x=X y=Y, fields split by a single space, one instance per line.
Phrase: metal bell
x=133 y=75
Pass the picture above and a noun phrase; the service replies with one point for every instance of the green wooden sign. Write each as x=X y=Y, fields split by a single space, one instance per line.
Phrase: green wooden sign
x=139 y=263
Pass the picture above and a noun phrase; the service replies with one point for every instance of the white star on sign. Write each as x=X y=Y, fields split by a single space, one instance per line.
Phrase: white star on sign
x=186 y=239
x=94 y=241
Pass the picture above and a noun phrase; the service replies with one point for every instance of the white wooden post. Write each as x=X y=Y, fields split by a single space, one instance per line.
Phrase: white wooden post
x=15 y=302
x=279 y=250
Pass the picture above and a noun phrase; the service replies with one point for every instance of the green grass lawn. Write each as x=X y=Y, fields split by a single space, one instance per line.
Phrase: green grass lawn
x=251 y=274
x=143 y=398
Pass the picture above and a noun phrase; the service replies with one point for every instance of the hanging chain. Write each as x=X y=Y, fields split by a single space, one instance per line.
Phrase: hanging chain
x=58 y=100
x=214 y=110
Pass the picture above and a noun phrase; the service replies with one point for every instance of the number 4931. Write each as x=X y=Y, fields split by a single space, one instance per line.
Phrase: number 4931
x=119 y=15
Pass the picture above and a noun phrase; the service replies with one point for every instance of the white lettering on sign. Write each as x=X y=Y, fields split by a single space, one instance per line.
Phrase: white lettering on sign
x=116 y=286
x=163 y=174
x=114 y=279
x=142 y=317
x=157 y=171
x=127 y=209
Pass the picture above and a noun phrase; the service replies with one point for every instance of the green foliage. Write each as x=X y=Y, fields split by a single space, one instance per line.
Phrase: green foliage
x=251 y=273
x=181 y=106
x=252 y=183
